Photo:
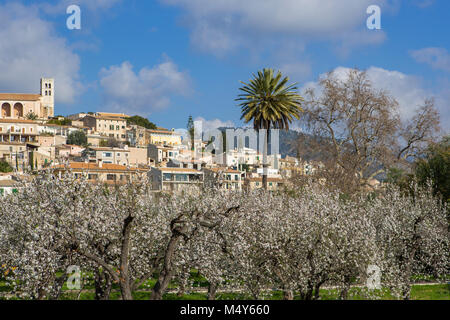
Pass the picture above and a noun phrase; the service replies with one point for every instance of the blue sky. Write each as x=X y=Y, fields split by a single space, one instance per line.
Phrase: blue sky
x=168 y=59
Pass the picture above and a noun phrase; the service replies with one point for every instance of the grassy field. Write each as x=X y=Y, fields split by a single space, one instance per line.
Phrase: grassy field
x=418 y=292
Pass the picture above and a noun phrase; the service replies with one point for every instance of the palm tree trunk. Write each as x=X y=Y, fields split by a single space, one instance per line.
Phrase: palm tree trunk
x=265 y=164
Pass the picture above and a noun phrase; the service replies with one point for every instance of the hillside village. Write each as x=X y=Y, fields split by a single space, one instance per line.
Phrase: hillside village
x=117 y=151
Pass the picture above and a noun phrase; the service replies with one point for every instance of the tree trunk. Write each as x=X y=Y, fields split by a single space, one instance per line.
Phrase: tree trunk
x=41 y=294
x=406 y=292
x=212 y=289
x=183 y=280
x=344 y=292
x=181 y=290
x=265 y=164
x=103 y=285
x=167 y=272
x=125 y=287
x=317 y=291
x=288 y=294
x=59 y=285
x=308 y=294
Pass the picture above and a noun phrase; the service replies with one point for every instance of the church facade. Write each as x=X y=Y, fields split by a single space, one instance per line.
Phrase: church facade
x=22 y=105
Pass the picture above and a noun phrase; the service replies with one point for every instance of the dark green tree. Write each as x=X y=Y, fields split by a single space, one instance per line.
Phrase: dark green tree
x=77 y=138
x=436 y=168
x=32 y=160
x=64 y=122
x=190 y=128
x=5 y=167
x=140 y=121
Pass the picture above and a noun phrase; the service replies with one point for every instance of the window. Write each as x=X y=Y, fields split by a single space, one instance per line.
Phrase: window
x=50 y=85
x=118 y=154
x=111 y=127
x=181 y=177
x=236 y=177
x=123 y=127
x=123 y=136
x=107 y=154
x=50 y=92
x=117 y=127
x=46 y=85
x=111 y=177
x=92 y=176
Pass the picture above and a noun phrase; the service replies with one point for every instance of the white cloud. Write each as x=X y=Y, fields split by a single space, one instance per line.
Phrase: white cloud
x=437 y=58
x=221 y=26
x=212 y=124
x=423 y=3
x=59 y=7
x=207 y=126
x=406 y=89
x=298 y=69
x=147 y=90
x=29 y=50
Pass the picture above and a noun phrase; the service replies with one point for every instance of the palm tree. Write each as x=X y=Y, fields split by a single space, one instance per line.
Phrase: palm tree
x=271 y=104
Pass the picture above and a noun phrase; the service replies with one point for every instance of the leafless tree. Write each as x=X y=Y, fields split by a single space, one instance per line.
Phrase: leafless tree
x=361 y=129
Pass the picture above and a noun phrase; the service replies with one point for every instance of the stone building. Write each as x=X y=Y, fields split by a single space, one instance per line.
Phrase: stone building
x=19 y=105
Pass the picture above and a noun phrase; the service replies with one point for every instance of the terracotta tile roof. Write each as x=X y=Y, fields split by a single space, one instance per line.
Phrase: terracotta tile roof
x=160 y=131
x=113 y=115
x=190 y=161
x=19 y=97
x=105 y=118
x=228 y=170
x=287 y=160
x=108 y=149
x=94 y=166
x=74 y=146
x=56 y=125
x=13 y=143
x=8 y=183
x=178 y=170
x=17 y=121
x=268 y=179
